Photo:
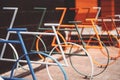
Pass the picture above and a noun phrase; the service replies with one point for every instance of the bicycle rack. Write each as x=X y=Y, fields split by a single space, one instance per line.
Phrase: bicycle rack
x=20 y=31
x=21 y=42
x=11 y=25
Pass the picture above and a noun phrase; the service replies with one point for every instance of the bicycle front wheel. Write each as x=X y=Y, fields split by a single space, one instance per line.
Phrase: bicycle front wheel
x=50 y=62
x=79 y=58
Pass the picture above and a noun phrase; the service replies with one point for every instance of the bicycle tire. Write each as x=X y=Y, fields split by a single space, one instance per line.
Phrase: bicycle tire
x=43 y=44
x=96 y=60
x=12 y=50
x=99 y=59
x=69 y=54
x=114 y=46
x=36 y=52
x=111 y=48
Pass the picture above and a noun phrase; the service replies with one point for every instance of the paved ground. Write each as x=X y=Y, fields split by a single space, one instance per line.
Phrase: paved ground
x=111 y=73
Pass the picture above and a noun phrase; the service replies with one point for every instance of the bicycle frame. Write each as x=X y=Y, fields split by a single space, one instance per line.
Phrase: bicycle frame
x=21 y=31
x=15 y=9
x=60 y=22
x=11 y=25
x=42 y=33
x=20 y=41
x=63 y=9
x=40 y=23
x=92 y=25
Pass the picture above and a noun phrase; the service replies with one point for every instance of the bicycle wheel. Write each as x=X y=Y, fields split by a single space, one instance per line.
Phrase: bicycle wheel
x=113 y=46
x=11 y=49
x=63 y=75
x=40 y=42
x=79 y=58
x=9 y=53
x=96 y=51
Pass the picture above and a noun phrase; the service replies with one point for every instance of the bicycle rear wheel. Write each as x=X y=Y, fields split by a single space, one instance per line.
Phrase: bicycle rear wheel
x=113 y=46
x=97 y=51
x=9 y=54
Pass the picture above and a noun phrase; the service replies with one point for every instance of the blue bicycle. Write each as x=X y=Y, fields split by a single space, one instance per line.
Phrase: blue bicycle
x=26 y=55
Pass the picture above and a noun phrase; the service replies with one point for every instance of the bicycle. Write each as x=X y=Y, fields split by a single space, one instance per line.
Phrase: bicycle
x=15 y=54
x=71 y=54
x=74 y=50
x=88 y=48
x=111 y=42
x=89 y=44
x=21 y=42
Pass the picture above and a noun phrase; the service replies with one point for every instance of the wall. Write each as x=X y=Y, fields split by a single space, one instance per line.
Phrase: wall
x=85 y=4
